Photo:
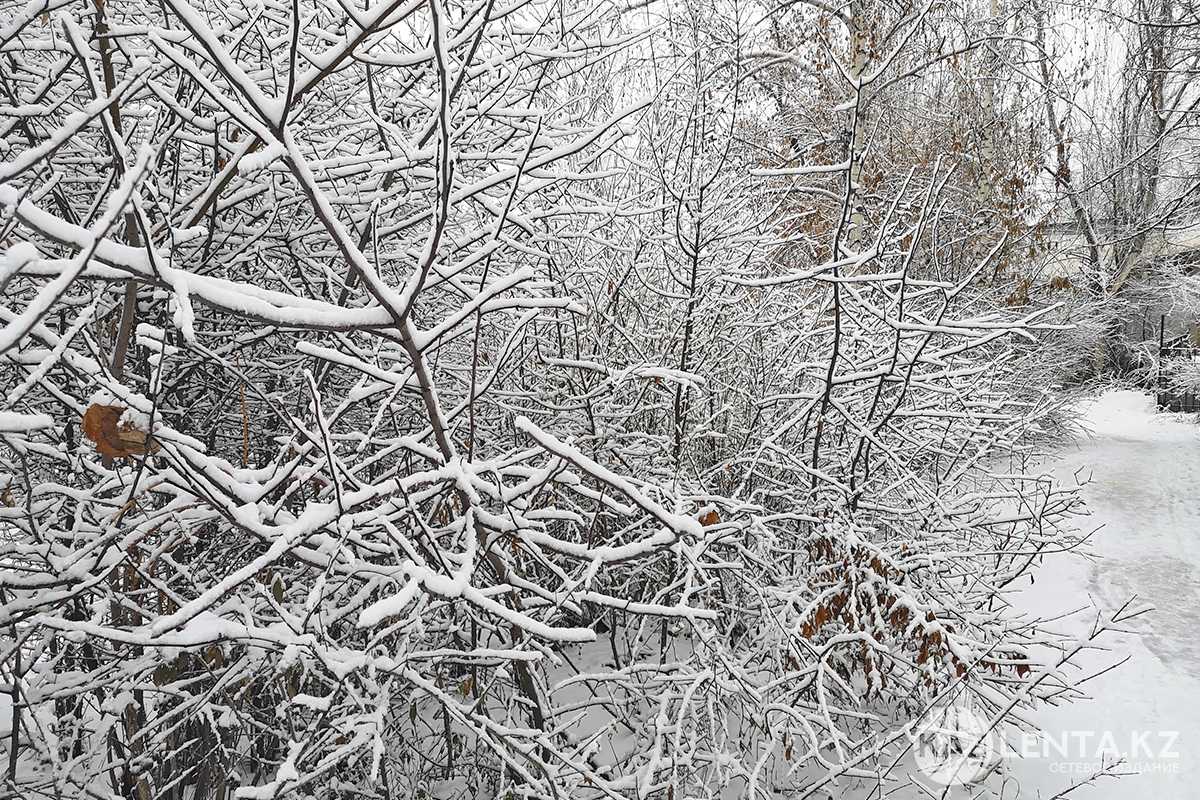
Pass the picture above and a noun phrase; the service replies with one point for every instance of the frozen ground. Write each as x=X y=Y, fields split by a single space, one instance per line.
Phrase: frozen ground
x=1144 y=495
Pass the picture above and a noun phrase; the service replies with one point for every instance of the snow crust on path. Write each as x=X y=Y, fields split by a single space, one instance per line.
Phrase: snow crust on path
x=1143 y=493
x=1128 y=416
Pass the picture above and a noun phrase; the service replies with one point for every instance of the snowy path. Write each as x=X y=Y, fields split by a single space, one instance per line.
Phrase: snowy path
x=1145 y=492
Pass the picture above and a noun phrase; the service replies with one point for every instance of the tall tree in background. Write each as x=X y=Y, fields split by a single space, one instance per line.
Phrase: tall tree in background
x=1123 y=168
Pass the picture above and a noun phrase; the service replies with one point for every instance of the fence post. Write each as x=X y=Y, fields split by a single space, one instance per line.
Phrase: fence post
x=1158 y=385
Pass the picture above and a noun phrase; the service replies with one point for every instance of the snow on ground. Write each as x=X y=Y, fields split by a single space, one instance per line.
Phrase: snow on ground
x=1144 y=496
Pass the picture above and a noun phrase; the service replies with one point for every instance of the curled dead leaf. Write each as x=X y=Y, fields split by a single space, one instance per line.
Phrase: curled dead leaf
x=102 y=425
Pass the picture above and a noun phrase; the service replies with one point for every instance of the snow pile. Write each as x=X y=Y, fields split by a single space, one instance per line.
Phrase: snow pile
x=1128 y=415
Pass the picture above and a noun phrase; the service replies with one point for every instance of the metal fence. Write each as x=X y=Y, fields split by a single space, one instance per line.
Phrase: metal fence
x=1170 y=397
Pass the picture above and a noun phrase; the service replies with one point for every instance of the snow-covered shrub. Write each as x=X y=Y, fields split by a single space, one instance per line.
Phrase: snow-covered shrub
x=1181 y=375
x=452 y=399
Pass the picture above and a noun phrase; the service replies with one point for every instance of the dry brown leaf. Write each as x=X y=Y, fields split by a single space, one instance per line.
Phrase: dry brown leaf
x=102 y=425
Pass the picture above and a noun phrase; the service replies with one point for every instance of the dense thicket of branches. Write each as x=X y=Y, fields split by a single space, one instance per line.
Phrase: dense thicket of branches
x=519 y=398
